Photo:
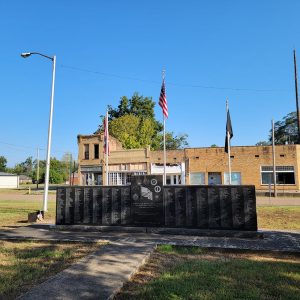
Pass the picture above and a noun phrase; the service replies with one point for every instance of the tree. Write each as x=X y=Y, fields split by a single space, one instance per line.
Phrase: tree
x=133 y=123
x=57 y=173
x=24 y=168
x=214 y=146
x=285 y=130
x=3 y=162
x=173 y=142
x=262 y=143
x=67 y=161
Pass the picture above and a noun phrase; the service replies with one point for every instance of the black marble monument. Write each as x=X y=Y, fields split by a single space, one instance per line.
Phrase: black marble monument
x=147 y=203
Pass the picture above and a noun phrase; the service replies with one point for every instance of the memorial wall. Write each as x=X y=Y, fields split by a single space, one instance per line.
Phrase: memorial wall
x=147 y=203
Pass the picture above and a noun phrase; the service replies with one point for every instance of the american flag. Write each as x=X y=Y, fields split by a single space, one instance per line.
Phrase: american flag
x=163 y=100
x=106 y=136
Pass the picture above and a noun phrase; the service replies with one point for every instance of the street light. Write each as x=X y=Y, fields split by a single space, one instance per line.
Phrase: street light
x=25 y=55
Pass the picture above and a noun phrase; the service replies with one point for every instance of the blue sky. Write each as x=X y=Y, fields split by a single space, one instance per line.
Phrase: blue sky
x=240 y=49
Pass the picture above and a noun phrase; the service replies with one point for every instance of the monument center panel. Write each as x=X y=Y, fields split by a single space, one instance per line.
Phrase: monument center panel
x=147 y=200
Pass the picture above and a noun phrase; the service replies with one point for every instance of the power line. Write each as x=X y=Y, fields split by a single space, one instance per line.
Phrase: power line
x=22 y=147
x=169 y=83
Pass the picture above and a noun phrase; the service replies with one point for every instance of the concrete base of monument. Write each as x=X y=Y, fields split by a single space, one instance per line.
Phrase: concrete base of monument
x=162 y=230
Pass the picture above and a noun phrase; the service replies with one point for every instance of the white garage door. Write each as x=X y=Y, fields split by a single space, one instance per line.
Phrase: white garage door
x=7 y=182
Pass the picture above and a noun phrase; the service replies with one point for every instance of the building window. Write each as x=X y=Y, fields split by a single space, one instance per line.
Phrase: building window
x=122 y=178
x=284 y=175
x=214 y=178
x=236 y=178
x=96 y=151
x=90 y=178
x=168 y=179
x=173 y=179
x=86 y=151
x=197 y=178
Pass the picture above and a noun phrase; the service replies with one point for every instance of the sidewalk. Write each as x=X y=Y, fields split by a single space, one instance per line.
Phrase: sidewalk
x=98 y=276
x=272 y=241
x=101 y=274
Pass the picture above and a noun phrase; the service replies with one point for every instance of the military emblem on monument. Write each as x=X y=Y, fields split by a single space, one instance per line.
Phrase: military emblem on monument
x=145 y=192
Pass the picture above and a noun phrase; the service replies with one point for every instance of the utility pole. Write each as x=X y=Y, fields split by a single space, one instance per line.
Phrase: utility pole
x=274 y=164
x=297 y=102
x=70 y=171
x=37 y=169
x=73 y=173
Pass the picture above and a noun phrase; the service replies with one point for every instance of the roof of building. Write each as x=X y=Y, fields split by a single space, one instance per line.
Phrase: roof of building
x=7 y=174
x=24 y=177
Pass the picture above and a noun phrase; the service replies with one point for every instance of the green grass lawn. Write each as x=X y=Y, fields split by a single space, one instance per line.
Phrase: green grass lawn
x=279 y=217
x=15 y=212
x=195 y=273
x=24 y=264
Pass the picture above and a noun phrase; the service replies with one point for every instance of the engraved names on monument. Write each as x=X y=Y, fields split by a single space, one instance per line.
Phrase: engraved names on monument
x=148 y=203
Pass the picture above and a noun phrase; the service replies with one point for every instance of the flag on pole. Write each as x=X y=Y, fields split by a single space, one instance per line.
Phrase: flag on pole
x=163 y=100
x=106 y=136
x=229 y=131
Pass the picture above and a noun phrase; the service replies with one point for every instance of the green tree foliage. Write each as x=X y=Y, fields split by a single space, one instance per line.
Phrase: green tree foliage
x=173 y=141
x=137 y=105
x=59 y=170
x=263 y=143
x=133 y=131
x=285 y=130
x=57 y=173
x=25 y=168
x=3 y=162
x=133 y=123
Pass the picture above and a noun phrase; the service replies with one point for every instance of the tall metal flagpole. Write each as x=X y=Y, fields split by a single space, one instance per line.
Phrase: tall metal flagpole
x=297 y=100
x=106 y=146
x=228 y=143
x=164 y=121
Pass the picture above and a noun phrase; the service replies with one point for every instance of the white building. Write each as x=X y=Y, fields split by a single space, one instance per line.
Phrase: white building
x=9 y=181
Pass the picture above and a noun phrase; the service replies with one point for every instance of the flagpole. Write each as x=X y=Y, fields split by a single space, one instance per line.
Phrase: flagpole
x=106 y=147
x=228 y=143
x=164 y=121
x=165 y=156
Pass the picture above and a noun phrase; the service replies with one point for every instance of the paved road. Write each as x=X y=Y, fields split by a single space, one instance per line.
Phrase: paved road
x=22 y=195
x=277 y=201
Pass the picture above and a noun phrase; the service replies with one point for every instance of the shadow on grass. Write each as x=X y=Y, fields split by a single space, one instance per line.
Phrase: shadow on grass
x=25 y=264
x=209 y=274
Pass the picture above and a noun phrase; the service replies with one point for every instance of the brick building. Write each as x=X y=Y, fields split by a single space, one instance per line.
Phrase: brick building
x=249 y=164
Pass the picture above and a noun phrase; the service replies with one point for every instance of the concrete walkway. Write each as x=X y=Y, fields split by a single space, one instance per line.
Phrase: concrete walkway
x=272 y=241
x=101 y=274
x=98 y=276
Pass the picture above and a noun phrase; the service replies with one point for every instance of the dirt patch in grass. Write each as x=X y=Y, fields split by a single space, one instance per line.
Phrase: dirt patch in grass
x=279 y=217
x=195 y=273
x=24 y=264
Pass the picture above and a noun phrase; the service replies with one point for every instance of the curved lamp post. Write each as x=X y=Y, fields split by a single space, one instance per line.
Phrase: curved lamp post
x=46 y=187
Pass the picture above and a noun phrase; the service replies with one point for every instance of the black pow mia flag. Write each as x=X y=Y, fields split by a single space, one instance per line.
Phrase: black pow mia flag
x=229 y=131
